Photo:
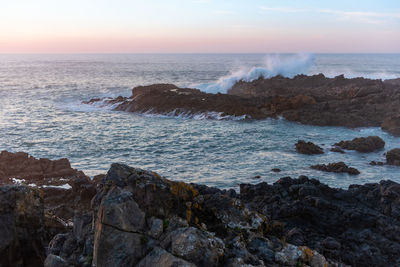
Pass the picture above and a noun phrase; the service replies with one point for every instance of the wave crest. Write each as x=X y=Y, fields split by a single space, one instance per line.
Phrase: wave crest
x=287 y=66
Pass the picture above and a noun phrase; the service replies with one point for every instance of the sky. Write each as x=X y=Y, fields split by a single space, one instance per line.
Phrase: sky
x=199 y=26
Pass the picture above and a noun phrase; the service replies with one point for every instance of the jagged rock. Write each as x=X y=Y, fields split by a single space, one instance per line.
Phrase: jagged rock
x=308 y=148
x=336 y=167
x=22 y=231
x=363 y=220
x=160 y=257
x=315 y=100
x=363 y=144
x=192 y=244
x=393 y=157
x=139 y=218
x=276 y=170
x=66 y=190
x=21 y=165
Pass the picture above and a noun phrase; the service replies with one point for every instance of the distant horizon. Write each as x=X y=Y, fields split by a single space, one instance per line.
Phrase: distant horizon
x=208 y=53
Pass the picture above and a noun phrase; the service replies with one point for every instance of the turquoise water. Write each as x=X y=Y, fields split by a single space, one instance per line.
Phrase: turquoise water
x=40 y=113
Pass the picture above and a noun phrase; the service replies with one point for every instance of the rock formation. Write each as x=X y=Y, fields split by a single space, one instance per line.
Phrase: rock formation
x=339 y=167
x=393 y=157
x=308 y=148
x=315 y=100
x=363 y=144
x=138 y=218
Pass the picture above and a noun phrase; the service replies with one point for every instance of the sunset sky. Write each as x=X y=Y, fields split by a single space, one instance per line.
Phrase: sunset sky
x=199 y=26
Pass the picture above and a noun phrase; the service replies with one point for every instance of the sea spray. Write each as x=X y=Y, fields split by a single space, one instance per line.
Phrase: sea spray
x=287 y=66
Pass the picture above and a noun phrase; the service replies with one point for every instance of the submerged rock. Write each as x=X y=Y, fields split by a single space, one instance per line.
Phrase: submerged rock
x=363 y=144
x=336 y=167
x=308 y=148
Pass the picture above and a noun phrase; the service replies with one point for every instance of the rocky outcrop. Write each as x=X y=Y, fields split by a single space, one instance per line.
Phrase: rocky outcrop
x=39 y=171
x=22 y=231
x=167 y=99
x=359 y=226
x=339 y=101
x=308 y=148
x=66 y=190
x=315 y=100
x=363 y=144
x=339 y=167
x=138 y=218
x=143 y=219
x=393 y=157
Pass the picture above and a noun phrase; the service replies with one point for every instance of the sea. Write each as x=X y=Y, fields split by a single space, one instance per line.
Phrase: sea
x=41 y=113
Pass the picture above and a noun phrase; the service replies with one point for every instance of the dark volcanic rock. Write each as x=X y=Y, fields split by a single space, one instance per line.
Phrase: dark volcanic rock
x=22 y=230
x=393 y=157
x=21 y=165
x=315 y=100
x=359 y=226
x=66 y=190
x=339 y=101
x=171 y=100
x=139 y=218
x=336 y=167
x=308 y=148
x=363 y=144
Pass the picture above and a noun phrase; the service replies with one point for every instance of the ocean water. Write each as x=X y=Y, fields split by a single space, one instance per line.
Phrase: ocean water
x=41 y=113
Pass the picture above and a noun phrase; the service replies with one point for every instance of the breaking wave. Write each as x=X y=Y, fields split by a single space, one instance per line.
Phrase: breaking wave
x=274 y=65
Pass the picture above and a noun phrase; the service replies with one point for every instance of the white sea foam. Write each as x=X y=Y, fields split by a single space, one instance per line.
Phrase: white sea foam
x=274 y=65
x=209 y=115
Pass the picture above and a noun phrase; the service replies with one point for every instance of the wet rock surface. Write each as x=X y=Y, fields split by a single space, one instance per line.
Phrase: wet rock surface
x=338 y=167
x=315 y=100
x=393 y=157
x=363 y=144
x=308 y=148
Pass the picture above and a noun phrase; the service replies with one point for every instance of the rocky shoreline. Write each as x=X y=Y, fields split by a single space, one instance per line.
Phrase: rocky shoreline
x=315 y=100
x=133 y=217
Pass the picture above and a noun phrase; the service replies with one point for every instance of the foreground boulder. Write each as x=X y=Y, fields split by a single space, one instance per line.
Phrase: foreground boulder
x=339 y=167
x=308 y=148
x=22 y=226
x=393 y=157
x=363 y=144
